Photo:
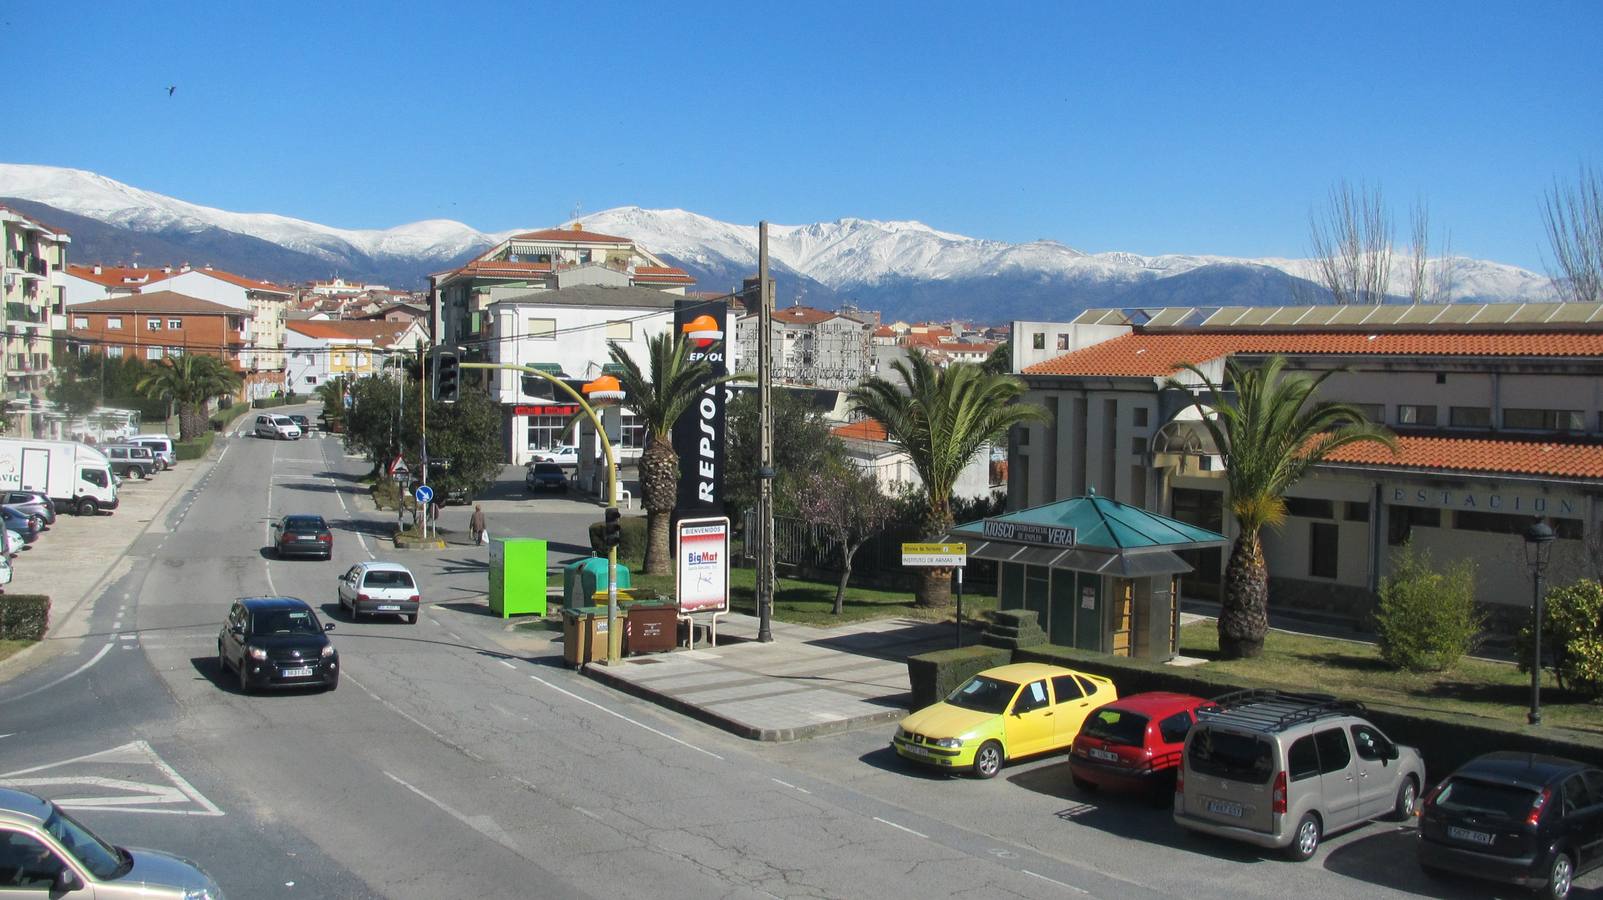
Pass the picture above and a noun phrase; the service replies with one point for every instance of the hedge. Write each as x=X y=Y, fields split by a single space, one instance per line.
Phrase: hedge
x=24 y=617
x=1446 y=741
x=266 y=402
x=932 y=676
x=222 y=417
x=632 y=546
x=195 y=449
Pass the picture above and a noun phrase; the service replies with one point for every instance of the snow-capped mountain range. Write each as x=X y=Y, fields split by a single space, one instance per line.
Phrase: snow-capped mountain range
x=901 y=268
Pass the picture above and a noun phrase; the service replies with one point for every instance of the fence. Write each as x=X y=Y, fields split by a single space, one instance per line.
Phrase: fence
x=808 y=549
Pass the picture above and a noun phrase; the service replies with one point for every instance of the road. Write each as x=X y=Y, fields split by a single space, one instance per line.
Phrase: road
x=447 y=765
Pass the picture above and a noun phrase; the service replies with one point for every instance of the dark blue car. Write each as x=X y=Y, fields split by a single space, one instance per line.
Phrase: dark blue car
x=25 y=525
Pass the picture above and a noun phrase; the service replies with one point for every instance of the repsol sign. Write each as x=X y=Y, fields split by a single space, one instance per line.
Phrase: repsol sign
x=698 y=436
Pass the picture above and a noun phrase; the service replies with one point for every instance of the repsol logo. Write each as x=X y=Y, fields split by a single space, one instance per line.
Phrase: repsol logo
x=713 y=357
x=707 y=465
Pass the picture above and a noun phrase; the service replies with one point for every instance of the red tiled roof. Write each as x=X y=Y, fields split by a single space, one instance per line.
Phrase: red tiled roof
x=251 y=284
x=1157 y=355
x=502 y=267
x=660 y=274
x=802 y=315
x=156 y=302
x=1479 y=455
x=382 y=334
x=569 y=234
x=862 y=430
x=884 y=331
x=114 y=276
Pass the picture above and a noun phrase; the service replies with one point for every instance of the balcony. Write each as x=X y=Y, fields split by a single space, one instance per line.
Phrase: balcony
x=29 y=264
x=23 y=313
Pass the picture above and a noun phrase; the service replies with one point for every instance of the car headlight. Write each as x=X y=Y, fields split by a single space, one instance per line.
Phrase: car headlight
x=256 y=652
x=948 y=743
x=328 y=650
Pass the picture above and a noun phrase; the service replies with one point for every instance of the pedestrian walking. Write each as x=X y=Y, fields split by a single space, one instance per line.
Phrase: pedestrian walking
x=476 y=524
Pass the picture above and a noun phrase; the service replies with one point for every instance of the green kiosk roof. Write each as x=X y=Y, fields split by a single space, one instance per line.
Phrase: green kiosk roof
x=1088 y=534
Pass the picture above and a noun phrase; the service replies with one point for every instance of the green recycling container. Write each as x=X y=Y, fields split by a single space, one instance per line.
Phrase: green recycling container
x=517 y=577
x=582 y=579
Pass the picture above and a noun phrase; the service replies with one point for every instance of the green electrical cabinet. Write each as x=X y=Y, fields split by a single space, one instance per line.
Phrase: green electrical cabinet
x=517 y=576
x=582 y=579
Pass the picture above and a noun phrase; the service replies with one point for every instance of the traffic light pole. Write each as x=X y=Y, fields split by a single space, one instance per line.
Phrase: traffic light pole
x=614 y=635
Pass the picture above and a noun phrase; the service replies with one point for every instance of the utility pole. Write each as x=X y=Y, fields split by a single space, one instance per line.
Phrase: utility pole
x=765 y=470
x=423 y=436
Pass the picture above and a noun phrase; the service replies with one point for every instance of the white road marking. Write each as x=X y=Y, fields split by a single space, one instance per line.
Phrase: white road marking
x=505 y=663
x=625 y=718
x=791 y=786
x=1055 y=881
x=7 y=735
x=900 y=827
x=585 y=812
x=482 y=824
x=106 y=648
x=137 y=796
x=414 y=720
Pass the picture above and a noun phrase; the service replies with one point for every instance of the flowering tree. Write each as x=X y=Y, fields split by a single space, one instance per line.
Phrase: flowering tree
x=849 y=506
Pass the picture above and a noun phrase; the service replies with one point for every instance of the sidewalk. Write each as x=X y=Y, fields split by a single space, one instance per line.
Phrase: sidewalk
x=808 y=681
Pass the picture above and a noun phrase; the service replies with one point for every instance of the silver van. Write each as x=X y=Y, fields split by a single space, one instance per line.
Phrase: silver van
x=130 y=460
x=1282 y=770
x=269 y=425
x=161 y=446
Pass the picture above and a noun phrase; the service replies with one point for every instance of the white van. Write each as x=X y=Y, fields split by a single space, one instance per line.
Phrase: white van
x=272 y=426
x=161 y=447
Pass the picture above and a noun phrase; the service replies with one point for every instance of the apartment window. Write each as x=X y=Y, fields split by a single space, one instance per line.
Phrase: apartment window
x=1505 y=523
x=114 y=322
x=1544 y=419
x=1469 y=417
x=1415 y=415
x=1356 y=511
x=174 y=324
x=544 y=329
x=633 y=434
x=1038 y=341
x=1138 y=417
x=1402 y=519
x=152 y=324
x=153 y=353
x=80 y=321
x=1373 y=412
x=1309 y=508
x=1063 y=342
x=175 y=351
x=1322 y=550
x=620 y=331
x=114 y=353
x=1138 y=447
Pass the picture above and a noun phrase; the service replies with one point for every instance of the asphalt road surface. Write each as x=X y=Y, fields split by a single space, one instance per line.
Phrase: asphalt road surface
x=447 y=766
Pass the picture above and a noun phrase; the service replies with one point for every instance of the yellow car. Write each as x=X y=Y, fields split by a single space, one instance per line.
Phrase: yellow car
x=1002 y=714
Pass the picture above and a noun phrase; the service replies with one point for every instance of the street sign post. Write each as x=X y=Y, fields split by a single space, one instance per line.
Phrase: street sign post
x=423 y=494
x=399 y=469
x=954 y=556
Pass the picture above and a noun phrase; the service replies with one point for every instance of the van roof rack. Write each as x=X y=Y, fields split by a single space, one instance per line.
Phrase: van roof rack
x=1268 y=709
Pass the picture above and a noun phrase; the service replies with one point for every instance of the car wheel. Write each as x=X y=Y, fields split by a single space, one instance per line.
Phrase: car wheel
x=222 y=659
x=1305 y=840
x=137 y=472
x=244 y=683
x=1560 y=874
x=36 y=524
x=1081 y=784
x=1407 y=798
x=411 y=618
x=88 y=507
x=988 y=760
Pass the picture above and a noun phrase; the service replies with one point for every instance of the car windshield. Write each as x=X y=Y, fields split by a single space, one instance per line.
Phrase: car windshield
x=1238 y=757
x=1503 y=801
x=1117 y=727
x=305 y=523
x=285 y=621
x=99 y=857
x=984 y=694
x=548 y=469
x=387 y=579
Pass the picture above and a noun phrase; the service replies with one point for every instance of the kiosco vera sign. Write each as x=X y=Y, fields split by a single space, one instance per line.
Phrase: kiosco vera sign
x=702 y=575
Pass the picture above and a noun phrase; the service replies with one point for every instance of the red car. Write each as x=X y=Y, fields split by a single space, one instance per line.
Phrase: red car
x=1134 y=744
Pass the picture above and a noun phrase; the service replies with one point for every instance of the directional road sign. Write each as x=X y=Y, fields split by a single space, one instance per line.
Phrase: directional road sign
x=423 y=494
x=935 y=554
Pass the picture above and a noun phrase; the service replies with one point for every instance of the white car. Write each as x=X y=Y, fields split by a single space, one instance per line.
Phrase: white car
x=380 y=588
x=275 y=426
x=563 y=455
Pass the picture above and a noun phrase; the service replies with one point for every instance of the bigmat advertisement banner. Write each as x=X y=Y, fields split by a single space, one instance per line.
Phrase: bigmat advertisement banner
x=702 y=575
x=698 y=436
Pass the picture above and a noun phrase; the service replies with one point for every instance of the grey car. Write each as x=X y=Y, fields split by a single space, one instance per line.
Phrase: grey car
x=45 y=852
x=31 y=504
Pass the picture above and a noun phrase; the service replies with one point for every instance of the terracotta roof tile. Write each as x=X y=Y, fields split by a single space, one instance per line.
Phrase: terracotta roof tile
x=569 y=234
x=862 y=430
x=1481 y=455
x=662 y=274
x=156 y=302
x=802 y=315
x=382 y=334
x=1157 y=355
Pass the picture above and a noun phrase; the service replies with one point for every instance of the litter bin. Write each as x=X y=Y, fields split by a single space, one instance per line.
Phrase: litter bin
x=650 y=626
x=584 y=578
x=584 y=634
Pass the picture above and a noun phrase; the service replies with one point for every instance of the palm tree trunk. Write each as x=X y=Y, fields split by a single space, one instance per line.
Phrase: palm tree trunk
x=935 y=585
x=1244 y=614
x=659 y=490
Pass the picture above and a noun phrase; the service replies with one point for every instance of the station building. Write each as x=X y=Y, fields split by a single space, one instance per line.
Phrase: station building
x=1498 y=411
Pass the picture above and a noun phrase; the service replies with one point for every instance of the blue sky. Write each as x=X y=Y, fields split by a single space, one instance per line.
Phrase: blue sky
x=1152 y=128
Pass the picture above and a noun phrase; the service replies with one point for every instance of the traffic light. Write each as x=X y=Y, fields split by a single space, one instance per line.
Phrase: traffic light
x=446 y=382
x=612 y=531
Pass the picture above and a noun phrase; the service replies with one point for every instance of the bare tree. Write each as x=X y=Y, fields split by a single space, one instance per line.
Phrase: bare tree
x=1574 y=217
x=1429 y=281
x=1352 y=245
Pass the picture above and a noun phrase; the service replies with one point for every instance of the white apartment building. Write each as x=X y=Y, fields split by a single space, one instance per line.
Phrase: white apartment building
x=810 y=348
x=32 y=257
x=317 y=350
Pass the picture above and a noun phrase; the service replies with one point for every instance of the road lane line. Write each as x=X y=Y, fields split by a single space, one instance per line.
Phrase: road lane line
x=901 y=827
x=625 y=718
x=106 y=648
x=414 y=720
x=585 y=812
x=505 y=663
x=482 y=824
x=1079 y=890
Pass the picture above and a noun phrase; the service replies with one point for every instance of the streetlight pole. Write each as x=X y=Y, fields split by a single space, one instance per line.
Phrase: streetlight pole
x=1538 y=544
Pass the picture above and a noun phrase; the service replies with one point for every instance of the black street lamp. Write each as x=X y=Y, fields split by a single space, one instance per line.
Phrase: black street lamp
x=1538 y=544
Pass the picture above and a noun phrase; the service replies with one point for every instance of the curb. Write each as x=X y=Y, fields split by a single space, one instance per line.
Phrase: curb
x=429 y=544
x=736 y=727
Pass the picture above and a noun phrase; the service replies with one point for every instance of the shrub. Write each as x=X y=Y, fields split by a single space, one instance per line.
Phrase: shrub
x=1572 y=637
x=632 y=545
x=1426 y=620
x=222 y=417
x=195 y=449
x=932 y=676
x=387 y=494
x=24 y=617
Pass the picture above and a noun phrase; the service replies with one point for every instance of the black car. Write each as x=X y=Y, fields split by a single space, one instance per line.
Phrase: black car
x=545 y=477
x=277 y=642
x=302 y=536
x=1521 y=818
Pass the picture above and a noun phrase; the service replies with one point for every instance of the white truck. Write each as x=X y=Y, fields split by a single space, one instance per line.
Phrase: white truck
x=74 y=475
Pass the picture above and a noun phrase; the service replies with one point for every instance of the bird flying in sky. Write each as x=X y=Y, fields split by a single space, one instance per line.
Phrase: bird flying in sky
x=171 y=88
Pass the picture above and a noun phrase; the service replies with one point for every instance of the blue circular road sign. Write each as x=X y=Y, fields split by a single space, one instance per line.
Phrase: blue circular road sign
x=423 y=494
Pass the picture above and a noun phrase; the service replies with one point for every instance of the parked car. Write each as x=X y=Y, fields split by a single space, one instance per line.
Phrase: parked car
x=277 y=642
x=161 y=447
x=29 y=513
x=380 y=587
x=23 y=524
x=564 y=455
x=270 y=425
x=1281 y=770
x=299 y=535
x=14 y=542
x=1002 y=714
x=45 y=852
x=1521 y=818
x=545 y=476
x=130 y=460
x=1134 y=744
x=32 y=503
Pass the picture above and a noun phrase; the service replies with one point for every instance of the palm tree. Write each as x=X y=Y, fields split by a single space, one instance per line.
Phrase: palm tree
x=675 y=384
x=941 y=419
x=1269 y=433
x=190 y=381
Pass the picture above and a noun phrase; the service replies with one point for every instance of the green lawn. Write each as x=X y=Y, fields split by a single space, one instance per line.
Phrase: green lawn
x=9 y=647
x=1356 y=671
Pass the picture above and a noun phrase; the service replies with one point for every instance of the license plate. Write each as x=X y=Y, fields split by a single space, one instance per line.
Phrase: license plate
x=916 y=750
x=302 y=672
x=1464 y=834
x=390 y=608
x=1224 y=809
x=306 y=537
x=1103 y=755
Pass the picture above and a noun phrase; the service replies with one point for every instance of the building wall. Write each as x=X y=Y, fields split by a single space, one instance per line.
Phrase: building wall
x=198 y=333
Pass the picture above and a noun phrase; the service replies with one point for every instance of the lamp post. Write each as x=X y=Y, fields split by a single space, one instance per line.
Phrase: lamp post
x=1538 y=544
